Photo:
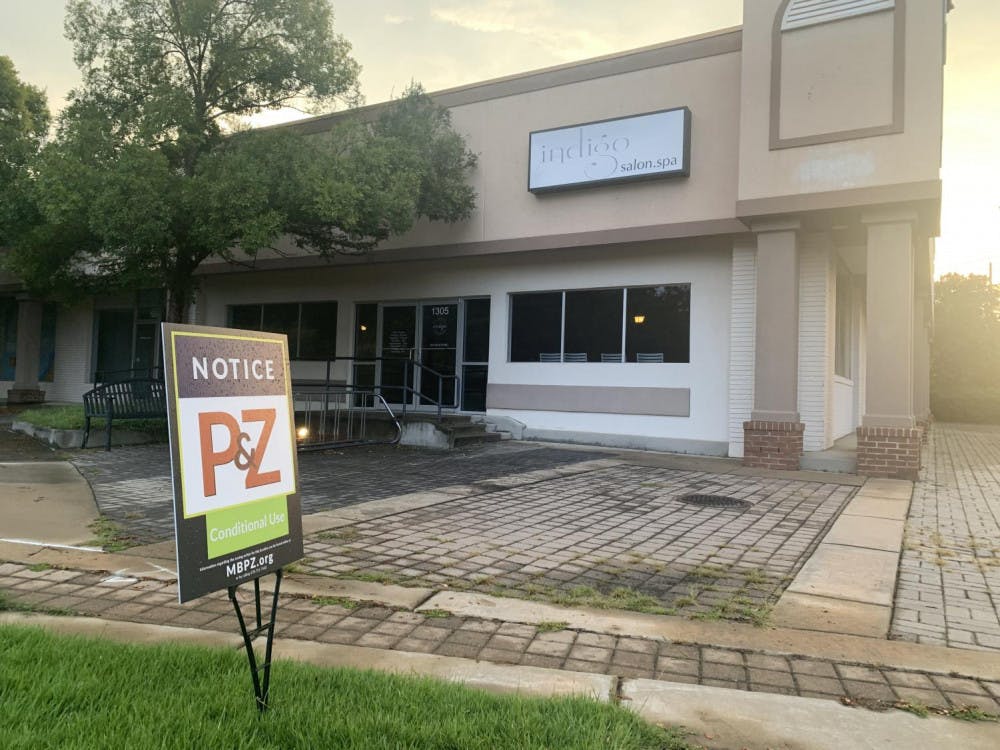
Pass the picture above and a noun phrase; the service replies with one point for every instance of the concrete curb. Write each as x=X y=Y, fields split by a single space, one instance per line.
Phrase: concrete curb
x=777 y=641
x=724 y=718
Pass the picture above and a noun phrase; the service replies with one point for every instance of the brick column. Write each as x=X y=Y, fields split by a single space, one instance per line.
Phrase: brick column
x=772 y=445
x=773 y=435
x=890 y=452
x=889 y=438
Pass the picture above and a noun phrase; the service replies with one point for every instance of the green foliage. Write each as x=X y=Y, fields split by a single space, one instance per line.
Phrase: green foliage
x=97 y=693
x=965 y=353
x=24 y=121
x=150 y=174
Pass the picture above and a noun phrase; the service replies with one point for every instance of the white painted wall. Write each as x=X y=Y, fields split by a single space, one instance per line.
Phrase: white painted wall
x=743 y=331
x=816 y=300
x=843 y=407
x=706 y=265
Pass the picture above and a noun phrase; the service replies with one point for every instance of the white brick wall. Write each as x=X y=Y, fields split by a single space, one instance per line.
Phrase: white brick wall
x=816 y=300
x=742 y=332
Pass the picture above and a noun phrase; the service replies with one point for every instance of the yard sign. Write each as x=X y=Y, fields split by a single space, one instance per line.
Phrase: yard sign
x=237 y=514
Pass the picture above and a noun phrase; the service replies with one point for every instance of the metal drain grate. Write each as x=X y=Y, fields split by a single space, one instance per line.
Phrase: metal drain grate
x=715 y=501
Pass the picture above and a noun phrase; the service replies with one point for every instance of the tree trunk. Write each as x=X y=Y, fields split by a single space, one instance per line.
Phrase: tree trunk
x=178 y=302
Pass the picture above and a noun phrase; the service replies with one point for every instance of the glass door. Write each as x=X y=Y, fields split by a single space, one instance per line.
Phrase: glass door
x=438 y=350
x=399 y=335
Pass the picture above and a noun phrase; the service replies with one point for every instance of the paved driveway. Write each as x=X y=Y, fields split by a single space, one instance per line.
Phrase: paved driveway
x=605 y=533
x=616 y=535
x=132 y=484
x=949 y=579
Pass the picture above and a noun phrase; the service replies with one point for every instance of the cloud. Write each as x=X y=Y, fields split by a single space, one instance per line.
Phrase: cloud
x=394 y=20
x=539 y=21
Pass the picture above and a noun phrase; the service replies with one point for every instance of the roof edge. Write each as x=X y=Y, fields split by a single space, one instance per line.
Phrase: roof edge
x=721 y=42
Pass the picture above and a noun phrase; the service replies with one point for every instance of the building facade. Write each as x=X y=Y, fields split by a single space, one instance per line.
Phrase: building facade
x=721 y=245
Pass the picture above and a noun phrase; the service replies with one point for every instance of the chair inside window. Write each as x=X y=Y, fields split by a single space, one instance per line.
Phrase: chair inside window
x=549 y=357
x=575 y=357
x=649 y=357
x=615 y=357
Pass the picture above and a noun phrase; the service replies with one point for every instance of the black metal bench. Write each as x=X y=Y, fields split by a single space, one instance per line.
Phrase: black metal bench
x=139 y=398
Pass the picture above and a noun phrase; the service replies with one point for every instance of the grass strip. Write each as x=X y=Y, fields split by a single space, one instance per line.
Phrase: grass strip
x=70 y=417
x=71 y=692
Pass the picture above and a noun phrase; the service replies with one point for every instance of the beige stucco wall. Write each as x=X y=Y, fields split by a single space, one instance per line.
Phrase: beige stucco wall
x=837 y=76
x=911 y=156
x=497 y=130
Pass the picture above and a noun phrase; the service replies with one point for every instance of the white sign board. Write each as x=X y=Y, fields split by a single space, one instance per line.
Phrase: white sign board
x=641 y=147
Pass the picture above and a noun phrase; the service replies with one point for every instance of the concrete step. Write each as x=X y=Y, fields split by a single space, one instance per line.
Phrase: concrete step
x=472 y=439
x=844 y=462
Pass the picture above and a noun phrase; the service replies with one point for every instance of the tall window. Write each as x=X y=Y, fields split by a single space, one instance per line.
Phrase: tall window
x=638 y=324
x=311 y=327
x=842 y=353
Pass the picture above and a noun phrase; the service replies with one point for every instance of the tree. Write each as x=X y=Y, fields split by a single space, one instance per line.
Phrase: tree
x=24 y=121
x=965 y=356
x=147 y=177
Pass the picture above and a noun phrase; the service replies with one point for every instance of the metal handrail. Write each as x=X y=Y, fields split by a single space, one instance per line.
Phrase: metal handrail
x=356 y=427
x=404 y=386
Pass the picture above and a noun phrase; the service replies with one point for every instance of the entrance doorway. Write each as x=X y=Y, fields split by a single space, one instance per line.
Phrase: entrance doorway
x=422 y=347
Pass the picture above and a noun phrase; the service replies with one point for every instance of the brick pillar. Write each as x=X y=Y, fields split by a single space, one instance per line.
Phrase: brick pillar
x=772 y=438
x=889 y=452
x=889 y=438
x=772 y=445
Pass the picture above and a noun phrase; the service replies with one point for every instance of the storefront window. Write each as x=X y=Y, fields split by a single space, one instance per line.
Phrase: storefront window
x=311 y=327
x=655 y=327
x=658 y=324
x=593 y=326
x=535 y=326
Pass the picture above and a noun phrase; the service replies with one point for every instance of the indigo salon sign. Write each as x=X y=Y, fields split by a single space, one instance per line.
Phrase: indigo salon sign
x=641 y=147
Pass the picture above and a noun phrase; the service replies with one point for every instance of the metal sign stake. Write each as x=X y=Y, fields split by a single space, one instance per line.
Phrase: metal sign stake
x=261 y=688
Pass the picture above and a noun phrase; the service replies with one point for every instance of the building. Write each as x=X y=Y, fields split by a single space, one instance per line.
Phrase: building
x=719 y=245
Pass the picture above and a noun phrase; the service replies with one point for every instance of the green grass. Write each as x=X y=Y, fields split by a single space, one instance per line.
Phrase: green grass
x=110 y=536
x=551 y=626
x=336 y=601
x=71 y=418
x=76 y=693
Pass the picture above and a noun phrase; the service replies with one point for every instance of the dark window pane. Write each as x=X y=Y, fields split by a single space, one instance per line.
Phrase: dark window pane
x=535 y=322
x=114 y=345
x=8 y=337
x=150 y=304
x=318 y=331
x=658 y=322
x=477 y=331
x=283 y=318
x=593 y=325
x=440 y=326
x=245 y=317
x=474 y=379
x=366 y=331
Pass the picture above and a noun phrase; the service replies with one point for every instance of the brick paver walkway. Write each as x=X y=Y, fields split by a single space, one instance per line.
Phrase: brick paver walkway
x=622 y=533
x=132 y=484
x=504 y=642
x=949 y=578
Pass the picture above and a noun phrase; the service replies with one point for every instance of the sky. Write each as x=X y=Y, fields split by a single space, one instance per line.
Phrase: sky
x=445 y=43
